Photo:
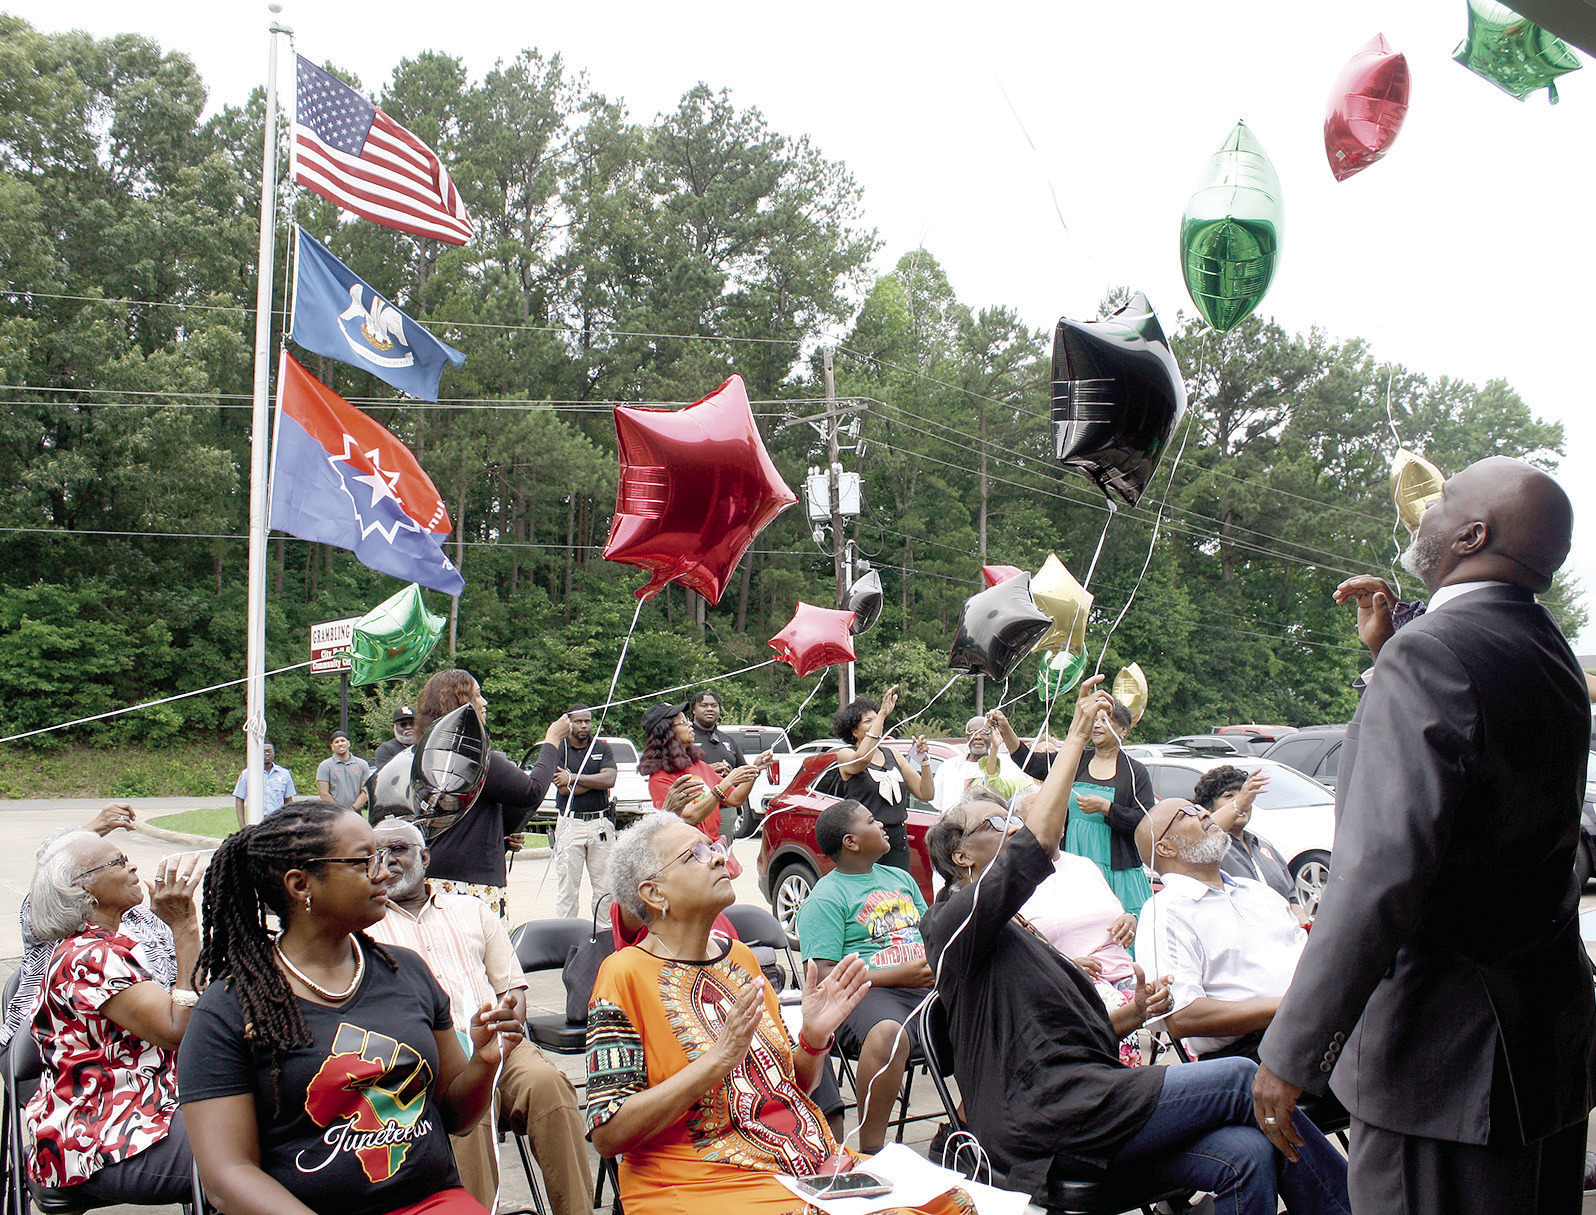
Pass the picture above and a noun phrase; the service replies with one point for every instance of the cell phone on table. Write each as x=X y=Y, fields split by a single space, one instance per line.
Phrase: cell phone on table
x=845 y=1185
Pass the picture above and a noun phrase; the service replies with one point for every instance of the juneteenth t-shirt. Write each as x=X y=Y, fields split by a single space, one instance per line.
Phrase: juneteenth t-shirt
x=357 y=1131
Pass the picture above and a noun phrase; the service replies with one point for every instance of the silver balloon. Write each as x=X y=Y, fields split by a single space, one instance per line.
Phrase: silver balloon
x=864 y=599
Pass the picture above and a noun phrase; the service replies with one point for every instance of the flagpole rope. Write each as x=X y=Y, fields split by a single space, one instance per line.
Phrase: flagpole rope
x=148 y=704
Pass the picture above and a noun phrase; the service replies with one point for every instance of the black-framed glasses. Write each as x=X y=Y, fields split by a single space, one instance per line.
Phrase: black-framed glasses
x=1190 y=810
x=700 y=852
x=118 y=859
x=375 y=863
x=996 y=822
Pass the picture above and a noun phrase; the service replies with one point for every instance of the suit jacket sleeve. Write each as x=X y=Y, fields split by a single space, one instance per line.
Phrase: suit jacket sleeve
x=1416 y=736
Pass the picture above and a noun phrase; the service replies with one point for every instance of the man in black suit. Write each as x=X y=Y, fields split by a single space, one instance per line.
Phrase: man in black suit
x=1444 y=982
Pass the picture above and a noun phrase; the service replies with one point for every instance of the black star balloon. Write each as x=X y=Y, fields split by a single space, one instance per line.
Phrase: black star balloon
x=998 y=628
x=1117 y=397
x=864 y=599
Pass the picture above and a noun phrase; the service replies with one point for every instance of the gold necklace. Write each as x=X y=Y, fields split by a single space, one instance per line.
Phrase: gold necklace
x=332 y=997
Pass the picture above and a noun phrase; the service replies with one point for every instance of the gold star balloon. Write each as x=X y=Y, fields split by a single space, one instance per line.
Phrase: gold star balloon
x=1130 y=689
x=1064 y=601
x=1415 y=483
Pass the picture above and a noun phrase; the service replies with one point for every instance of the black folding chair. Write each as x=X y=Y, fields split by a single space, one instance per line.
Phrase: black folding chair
x=758 y=928
x=542 y=945
x=24 y=1068
x=1071 y=1188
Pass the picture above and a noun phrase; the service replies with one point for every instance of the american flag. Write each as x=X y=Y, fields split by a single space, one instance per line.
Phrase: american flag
x=352 y=154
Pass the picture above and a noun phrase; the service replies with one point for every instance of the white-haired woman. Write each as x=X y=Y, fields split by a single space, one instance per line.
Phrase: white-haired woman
x=692 y=1077
x=105 y=1120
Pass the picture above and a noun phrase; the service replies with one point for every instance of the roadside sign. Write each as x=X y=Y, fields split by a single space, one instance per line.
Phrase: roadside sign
x=330 y=644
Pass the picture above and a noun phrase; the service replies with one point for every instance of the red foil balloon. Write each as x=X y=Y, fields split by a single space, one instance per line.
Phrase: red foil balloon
x=696 y=487
x=995 y=574
x=815 y=637
x=1367 y=106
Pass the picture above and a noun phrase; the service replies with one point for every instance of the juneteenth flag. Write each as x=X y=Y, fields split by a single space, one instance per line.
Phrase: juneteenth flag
x=352 y=154
x=340 y=478
x=340 y=315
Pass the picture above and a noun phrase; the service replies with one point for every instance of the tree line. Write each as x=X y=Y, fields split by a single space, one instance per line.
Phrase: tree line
x=623 y=260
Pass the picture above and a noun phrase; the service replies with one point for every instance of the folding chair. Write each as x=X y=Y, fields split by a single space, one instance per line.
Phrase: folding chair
x=758 y=928
x=542 y=945
x=24 y=1068
x=1071 y=1188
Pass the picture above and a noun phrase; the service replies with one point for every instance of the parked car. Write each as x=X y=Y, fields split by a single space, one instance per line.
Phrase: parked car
x=790 y=864
x=1585 y=853
x=1313 y=750
x=630 y=791
x=755 y=741
x=1296 y=813
x=1257 y=738
x=1150 y=750
x=1211 y=744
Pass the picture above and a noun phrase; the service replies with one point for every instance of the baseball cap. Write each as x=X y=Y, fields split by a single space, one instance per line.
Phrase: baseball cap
x=656 y=717
x=404 y=713
x=339 y=734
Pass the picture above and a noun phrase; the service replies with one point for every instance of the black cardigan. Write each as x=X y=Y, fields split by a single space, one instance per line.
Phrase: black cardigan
x=1133 y=797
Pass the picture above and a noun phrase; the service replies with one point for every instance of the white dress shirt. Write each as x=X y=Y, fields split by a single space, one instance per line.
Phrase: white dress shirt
x=957 y=775
x=1241 y=942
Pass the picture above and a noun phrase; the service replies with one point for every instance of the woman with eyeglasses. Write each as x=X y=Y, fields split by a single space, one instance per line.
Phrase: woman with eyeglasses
x=693 y=1079
x=105 y=1121
x=321 y=1070
x=1037 y=1054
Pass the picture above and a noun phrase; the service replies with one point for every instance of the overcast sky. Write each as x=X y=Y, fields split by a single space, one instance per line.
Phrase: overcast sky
x=1468 y=251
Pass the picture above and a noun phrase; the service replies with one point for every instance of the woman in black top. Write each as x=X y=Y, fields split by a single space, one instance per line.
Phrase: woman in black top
x=876 y=776
x=1037 y=1054
x=321 y=1071
x=468 y=858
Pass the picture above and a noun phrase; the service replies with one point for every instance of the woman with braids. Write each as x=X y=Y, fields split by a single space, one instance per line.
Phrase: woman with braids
x=468 y=858
x=670 y=756
x=877 y=777
x=320 y=1071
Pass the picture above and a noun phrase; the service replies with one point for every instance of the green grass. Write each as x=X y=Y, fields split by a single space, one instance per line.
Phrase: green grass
x=195 y=769
x=217 y=823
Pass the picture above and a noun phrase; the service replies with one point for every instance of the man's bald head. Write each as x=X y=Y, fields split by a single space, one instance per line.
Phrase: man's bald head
x=1153 y=825
x=1499 y=519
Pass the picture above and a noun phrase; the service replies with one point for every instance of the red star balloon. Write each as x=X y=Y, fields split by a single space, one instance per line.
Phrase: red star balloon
x=1367 y=106
x=995 y=574
x=696 y=487
x=815 y=637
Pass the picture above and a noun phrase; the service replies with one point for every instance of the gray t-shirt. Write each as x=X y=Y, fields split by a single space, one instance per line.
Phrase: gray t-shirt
x=345 y=777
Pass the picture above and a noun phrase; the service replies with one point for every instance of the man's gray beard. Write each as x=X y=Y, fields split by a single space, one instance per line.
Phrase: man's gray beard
x=1209 y=850
x=1422 y=557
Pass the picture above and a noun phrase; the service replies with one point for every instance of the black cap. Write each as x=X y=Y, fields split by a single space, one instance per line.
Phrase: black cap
x=658 y=716
x=339 y=734
x=403 y=713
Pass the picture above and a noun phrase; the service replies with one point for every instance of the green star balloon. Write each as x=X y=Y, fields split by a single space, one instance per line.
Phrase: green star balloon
x=1515 y=55
x=394 y=638
x=1060 y=671
x=1230 y=234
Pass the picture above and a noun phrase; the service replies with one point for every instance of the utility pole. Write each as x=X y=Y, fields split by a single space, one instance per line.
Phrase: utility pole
x=834 y=502
x=980 y=680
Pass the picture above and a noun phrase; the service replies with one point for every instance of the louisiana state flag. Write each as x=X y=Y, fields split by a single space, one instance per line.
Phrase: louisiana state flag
x=340 y=478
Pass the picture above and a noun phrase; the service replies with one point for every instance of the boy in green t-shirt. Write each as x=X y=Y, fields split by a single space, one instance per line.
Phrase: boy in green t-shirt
x=872 y=910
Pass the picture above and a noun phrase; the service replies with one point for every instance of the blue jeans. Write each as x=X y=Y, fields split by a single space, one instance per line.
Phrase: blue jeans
x=1202 y=1135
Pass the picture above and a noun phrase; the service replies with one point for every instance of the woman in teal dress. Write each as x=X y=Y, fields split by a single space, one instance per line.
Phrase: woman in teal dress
x=1111 y=794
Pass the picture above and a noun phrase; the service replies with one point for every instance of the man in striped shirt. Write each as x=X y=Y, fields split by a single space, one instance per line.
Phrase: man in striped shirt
x=465 y=945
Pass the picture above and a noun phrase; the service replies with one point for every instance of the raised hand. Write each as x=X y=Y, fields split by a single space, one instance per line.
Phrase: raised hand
x=172 y=891
x=495 y=1030
x=1375 y=600
x=827 y=1002
x=115 y=817
x=737 y=1030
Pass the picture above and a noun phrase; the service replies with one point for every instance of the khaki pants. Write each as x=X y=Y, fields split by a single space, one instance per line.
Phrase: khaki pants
x=581 y=843
x=535 y=1100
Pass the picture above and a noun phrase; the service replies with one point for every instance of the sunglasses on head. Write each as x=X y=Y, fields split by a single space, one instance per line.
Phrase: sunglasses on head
x=1190 y=810
x=700 y=852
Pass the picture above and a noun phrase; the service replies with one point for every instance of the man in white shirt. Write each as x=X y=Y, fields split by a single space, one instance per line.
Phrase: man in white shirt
x=981 y=764
x=1230 y=944
x=465 y=945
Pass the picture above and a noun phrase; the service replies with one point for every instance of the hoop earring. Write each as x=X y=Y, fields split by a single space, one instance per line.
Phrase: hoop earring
x=665 y=911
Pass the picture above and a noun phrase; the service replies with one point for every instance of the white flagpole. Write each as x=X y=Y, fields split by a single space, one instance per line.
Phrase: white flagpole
x=255 y=702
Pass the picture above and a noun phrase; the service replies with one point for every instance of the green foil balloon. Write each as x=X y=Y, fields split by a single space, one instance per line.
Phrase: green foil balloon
x=1515 y=55
x=394 y=638
x=1230 y=234
x=1060 y=671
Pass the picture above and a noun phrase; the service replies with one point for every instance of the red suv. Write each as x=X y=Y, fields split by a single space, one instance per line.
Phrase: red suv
x=790 y=864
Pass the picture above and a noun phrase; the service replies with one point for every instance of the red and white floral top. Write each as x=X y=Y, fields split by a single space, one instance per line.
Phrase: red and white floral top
x=106 y=1094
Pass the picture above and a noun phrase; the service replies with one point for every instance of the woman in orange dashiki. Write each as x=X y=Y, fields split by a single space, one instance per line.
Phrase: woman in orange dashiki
x=693 y=1080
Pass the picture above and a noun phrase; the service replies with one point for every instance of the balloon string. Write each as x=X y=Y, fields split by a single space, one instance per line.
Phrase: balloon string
x=1103 y=535
x=682 y=687
x=148 y=704
x=819 y=683
x=876 y=746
